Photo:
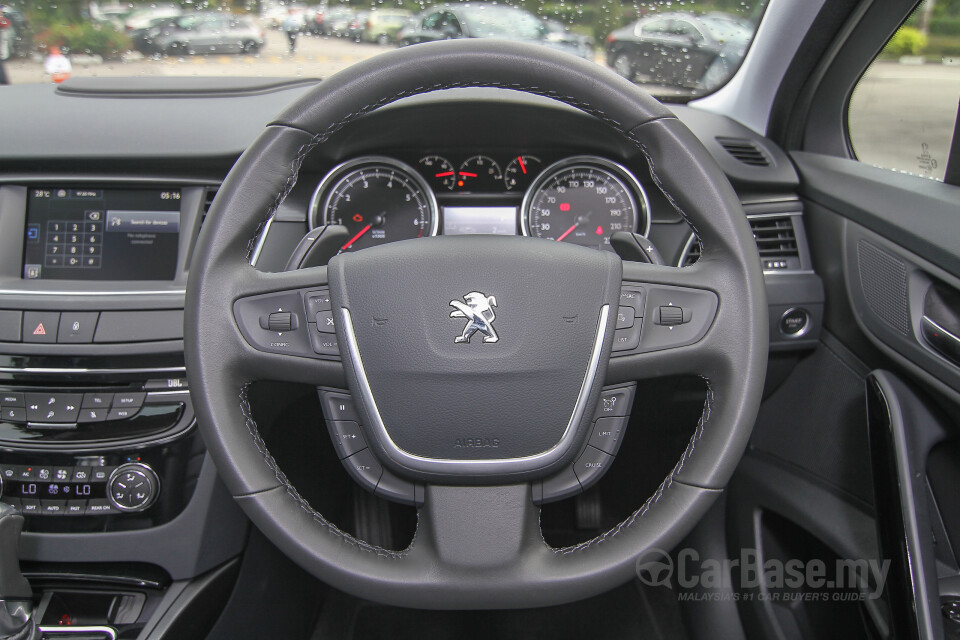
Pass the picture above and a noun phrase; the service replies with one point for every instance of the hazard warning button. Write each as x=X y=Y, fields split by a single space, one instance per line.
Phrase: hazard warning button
x=40 y=326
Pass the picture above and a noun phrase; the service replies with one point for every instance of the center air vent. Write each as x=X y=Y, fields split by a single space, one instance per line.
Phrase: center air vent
x=745 y=150
x=776 y=239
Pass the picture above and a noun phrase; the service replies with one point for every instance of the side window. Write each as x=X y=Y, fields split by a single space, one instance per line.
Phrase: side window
x=684 y=28
x=656 y=27
x=903 y=111
x=450 y=25
x=432 y=22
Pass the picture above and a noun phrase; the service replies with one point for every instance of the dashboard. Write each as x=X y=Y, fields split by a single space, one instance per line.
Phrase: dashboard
x=99 y=213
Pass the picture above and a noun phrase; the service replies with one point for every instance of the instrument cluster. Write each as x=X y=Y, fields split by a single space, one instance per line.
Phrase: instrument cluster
x=580 y=199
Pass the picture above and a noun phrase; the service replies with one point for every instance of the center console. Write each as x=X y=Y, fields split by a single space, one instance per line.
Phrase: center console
x=99 y=447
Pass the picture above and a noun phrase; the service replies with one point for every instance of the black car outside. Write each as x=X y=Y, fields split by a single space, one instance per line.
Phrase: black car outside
x=680 y=49
x=480 y=20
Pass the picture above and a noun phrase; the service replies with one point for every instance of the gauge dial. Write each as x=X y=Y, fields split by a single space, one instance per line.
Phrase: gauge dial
x=438 y=171
x=521 y=171
x=378 y=200
x=479 y=173
x=584 y=200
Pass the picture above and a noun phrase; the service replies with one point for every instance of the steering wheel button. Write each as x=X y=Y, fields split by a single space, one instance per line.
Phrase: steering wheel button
x=627 y=339
x=560 y=486
x=316 y=301
x=614 y=403
x=397 y=489
x=338 y=406
x=324 y=344
x=632 y=298
x=670 y=316
x=606 y=432
x=347 y=438
x=591 y=464
x=365 y=469
x=625 y=317
x=325 y=322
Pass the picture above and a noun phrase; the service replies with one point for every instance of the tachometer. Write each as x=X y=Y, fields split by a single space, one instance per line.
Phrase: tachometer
x=378 y=200
x=584 y=200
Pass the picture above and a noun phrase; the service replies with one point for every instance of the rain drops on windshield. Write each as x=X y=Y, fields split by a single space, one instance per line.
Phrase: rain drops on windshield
x=675 y=49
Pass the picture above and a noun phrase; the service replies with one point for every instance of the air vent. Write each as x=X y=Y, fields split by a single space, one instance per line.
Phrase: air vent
x=776 y=243
x=776 y=240
x=208 y=196
x=746 y=151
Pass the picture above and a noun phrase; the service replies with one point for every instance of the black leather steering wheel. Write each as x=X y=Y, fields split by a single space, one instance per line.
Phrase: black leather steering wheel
x=478 y=542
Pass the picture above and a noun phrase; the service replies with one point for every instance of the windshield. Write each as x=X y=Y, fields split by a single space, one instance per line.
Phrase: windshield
x=676 y=49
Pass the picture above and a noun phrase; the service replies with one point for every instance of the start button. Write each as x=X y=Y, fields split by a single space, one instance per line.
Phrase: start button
x=794 y=322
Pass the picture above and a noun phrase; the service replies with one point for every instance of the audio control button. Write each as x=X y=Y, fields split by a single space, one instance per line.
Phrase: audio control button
x=97 y=400
x=133 y=400
x=92 y=415
x=121 y=414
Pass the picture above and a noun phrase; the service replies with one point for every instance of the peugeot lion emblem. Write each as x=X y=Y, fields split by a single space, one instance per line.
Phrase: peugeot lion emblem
x=478 y=311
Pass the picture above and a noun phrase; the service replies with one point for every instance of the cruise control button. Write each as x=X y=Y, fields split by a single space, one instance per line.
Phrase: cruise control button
x=614 y=402
x=347 y=438
x=131 y=400
x=11 y=399
x=606 y=432
x=591 y=464
x=364 y=468
x=338 y=406
x=249 y=311
x=96 y=400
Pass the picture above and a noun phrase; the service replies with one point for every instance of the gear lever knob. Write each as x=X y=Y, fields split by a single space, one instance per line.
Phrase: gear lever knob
x=16 y=597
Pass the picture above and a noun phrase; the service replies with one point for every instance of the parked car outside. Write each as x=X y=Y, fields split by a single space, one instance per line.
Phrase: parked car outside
x=335 y=21
x=15 y=38
x=198 y=33
x=383 y=25
x=141 y=18
x=680 y=49
x=479 y=20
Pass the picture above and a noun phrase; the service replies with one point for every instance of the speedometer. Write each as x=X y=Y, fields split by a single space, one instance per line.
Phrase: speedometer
x=378 y=200
x=584 y=200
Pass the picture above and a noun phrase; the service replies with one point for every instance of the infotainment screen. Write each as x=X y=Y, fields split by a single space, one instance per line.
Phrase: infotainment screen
x=101 y=234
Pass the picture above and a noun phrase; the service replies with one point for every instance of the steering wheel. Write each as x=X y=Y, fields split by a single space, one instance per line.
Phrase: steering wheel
x=528 y=381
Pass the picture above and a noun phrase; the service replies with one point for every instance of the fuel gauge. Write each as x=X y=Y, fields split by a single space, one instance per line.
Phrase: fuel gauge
x=521 y=171
x=438 y=171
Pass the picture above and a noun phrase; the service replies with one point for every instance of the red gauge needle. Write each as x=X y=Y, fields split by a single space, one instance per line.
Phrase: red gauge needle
x=444 y=174
x=523 y=167
x=469 y=175
x=568 y=232
x=356 y=237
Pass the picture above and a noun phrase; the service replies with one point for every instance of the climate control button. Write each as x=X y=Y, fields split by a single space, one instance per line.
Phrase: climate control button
x=133 y=487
